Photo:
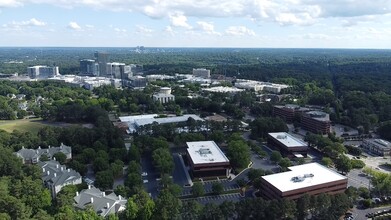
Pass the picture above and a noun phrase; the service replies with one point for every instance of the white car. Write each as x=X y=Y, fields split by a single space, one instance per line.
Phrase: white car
x=144 y=174
x=145 y=181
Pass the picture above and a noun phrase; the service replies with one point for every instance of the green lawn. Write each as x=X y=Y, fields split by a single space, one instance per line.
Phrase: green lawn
x=32 y=125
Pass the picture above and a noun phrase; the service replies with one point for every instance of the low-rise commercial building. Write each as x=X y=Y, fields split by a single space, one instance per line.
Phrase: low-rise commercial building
x=377 y=146
x=201 y=72
x=223 y=89
x=311 y=179
x=287 y=145
x=137 y=121
x=289 y=112
x=55 y=176
x=207 y=160
x=260 y=86
x=101 y=203
x=316 y=122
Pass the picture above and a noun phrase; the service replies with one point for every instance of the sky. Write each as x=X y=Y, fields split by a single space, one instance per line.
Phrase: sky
x=197 y=23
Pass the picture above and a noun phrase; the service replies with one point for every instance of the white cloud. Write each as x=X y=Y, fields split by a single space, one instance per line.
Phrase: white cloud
x=239 y=31
x=10 y=3
x=143 y=30
x=283 y=12
x=20 y=25
x=207 y=27
x=74 y=26
x=89 y=26
x=179 y=20
x=120 y=30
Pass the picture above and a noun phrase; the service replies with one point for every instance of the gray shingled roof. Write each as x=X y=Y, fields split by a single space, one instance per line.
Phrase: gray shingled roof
x=58 y=174
x=100 y=201
x=29 y=154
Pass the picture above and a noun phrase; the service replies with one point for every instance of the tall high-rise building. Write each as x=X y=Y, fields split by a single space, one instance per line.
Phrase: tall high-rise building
x=102 y=59
x=89 y=67
x=42 y=72
x=115 y=70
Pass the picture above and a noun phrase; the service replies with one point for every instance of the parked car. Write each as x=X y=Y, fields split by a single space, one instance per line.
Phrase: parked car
x=144 y=174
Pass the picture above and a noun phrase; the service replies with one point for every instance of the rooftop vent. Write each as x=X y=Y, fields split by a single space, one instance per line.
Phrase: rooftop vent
x=204 y=152
x=281 y=136
x=297 y=179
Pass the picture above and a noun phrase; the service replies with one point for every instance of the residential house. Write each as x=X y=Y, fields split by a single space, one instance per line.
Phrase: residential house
x=102 y=204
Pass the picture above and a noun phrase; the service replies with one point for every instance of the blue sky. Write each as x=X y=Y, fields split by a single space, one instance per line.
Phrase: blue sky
x=201 y=23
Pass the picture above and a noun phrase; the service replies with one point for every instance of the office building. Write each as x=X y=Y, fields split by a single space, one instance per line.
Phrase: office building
x=102 y=59
x=207 y=160
x=377 y=146
x=89 y=67
x=115 y=70
x=137 y=121
x=201 y=72
x=311 y=179
x=259 y=86
x=316 y=122
x=287 y=145
x=138 y=82
x=223 y=89
x=42 y=72
x=289 y=112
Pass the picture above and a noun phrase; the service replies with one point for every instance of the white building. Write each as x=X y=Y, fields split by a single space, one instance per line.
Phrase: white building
x=55 y=176
x=201 y=72
x=377 y=146
x=223 y=89
x=101 y=203
x=164 y=95
x=134 y=122
x=311 y=179
x=42 y=72
x=260 y=86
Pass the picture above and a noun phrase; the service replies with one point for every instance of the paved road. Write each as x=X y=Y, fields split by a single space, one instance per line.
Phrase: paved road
x=359 y=214
x=152 y=184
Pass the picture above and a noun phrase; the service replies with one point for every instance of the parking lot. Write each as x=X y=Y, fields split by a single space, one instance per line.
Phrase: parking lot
x=217 y=199
x=358 y=179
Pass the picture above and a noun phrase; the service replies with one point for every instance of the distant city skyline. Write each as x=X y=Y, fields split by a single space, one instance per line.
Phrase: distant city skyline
x=201 y=23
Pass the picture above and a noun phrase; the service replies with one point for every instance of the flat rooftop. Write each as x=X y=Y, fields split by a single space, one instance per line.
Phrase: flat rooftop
x=303 y=176
x=132 y=118
x=380 y=143
x=204 y=152
x=318 y=115
x=288 y=140
x=176 y=119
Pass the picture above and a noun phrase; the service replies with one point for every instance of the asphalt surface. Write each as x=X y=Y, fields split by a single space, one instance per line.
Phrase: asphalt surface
x=358 y=179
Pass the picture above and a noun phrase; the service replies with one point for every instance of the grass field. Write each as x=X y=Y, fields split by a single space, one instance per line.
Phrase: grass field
x=32 y=125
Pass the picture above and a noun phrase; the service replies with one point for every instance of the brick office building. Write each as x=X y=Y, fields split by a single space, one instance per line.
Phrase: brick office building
x=207 y=160
x=316 y=122
x=288 y=145
x=311 y=179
